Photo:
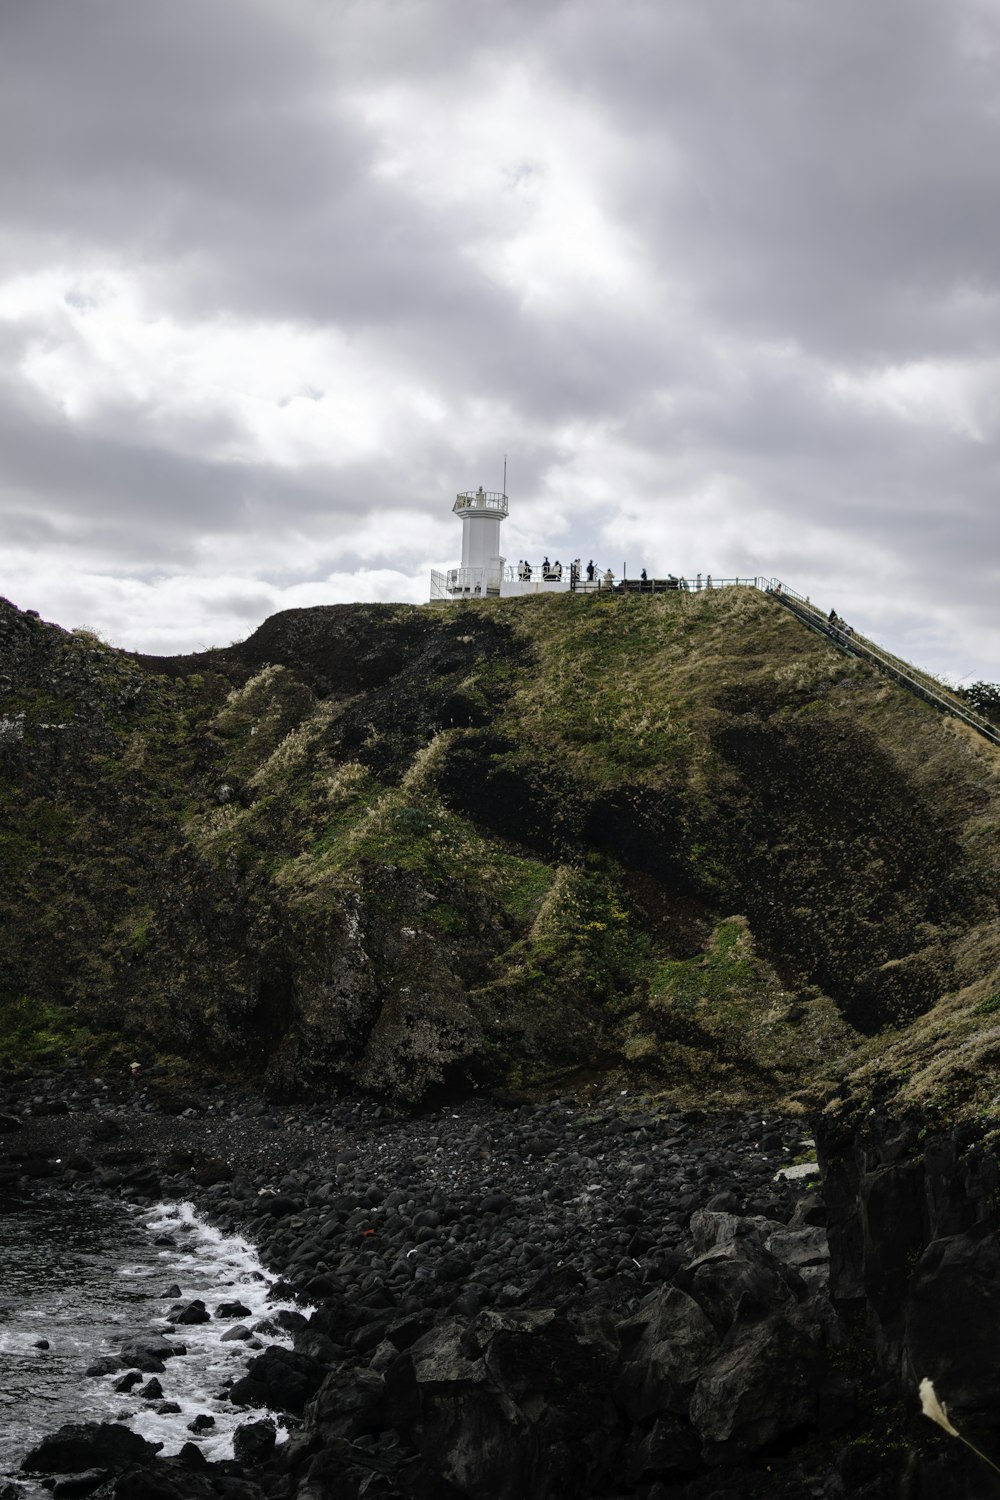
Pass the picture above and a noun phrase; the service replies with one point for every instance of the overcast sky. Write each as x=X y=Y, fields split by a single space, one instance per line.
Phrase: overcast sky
x=279 y=277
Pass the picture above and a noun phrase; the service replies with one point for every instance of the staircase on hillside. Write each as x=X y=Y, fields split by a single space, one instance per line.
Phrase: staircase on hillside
x=922 y=684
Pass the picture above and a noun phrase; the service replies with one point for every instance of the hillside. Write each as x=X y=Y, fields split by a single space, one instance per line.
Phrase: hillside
x=676 y=842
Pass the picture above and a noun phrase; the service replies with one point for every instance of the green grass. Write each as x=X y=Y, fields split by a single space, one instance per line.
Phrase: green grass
x=722 y=974
x=33 y=1033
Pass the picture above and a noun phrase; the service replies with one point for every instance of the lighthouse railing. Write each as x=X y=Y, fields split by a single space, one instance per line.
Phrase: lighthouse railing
x=481 y=500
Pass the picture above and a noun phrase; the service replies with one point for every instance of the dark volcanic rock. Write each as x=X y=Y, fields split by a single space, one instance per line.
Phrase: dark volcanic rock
x=953 y=1322
x=231 y=1310
x=92 y=1445
x=280 y=1378
x=764 y=1384
x=148 y=1353
x=192 y=1312
x=666 y=1345
x=513 y=1404
x=75 y=1485
x=253 y=1442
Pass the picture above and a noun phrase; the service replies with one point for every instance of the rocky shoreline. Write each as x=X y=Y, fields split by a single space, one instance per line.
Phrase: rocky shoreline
x=501 y=1299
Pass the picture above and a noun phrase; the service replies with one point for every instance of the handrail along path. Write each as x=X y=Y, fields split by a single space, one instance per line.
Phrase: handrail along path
x=921 y=684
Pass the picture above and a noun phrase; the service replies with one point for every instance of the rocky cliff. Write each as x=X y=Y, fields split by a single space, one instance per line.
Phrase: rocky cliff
x=674 y=840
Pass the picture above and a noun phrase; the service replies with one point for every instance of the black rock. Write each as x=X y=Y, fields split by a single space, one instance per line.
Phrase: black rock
x=290 y=1320
x=77 y=1447
x=253 y=1442
x=192 y=1457
x=277 y=1207
x=194 y=1312
x=75 y=1485
x=232 y=1310
x=148 y=1352
x=202 y=1423
x=665 y=1347
x=280 y=1378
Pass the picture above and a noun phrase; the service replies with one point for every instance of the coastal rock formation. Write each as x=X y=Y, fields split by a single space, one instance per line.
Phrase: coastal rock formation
x=677 y=840
x=445 y=886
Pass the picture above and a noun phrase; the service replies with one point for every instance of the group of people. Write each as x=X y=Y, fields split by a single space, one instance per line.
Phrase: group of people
x=840 y=626
x=552 y=572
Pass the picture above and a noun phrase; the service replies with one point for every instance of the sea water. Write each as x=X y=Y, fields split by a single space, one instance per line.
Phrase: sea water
x=85 y=1275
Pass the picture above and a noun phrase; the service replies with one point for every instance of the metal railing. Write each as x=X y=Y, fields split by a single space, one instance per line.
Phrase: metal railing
x=487 y=500
x=918 y=682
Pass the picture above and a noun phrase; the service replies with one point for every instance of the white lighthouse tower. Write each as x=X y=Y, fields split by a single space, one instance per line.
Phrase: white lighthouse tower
x=482 y=569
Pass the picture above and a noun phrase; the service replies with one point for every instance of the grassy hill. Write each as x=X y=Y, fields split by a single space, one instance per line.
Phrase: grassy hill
x=676 y=841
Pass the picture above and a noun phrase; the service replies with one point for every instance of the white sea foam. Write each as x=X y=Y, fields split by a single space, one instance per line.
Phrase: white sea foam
x=215 y=1268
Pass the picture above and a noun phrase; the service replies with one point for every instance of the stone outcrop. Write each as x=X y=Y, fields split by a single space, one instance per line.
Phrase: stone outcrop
x=914 y=1228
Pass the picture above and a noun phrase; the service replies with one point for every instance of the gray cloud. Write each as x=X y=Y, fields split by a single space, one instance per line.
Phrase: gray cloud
x=808 y=193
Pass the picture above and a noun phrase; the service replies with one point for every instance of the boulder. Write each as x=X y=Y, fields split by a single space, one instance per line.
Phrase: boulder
x=191 y=1313
x=280 y=1378
x=806 y=1247
x=232 y=1310
x=77 y=1447
x=739 y=1280
x=150 y=1346
x=73 y=1486
x=253 y=1442
x=665 y=1348
x=763 y=1385
x=174 y=1480
x=512 y=1404
x=349 y=1403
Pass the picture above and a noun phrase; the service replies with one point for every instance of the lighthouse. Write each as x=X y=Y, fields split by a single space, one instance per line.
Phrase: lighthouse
x=484 y=571
x=482 y=568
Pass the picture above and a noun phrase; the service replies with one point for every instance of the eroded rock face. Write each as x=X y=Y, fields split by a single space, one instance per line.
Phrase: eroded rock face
x=915 y=1247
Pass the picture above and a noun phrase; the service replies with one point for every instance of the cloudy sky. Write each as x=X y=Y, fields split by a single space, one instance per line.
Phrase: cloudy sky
x=279 y=277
